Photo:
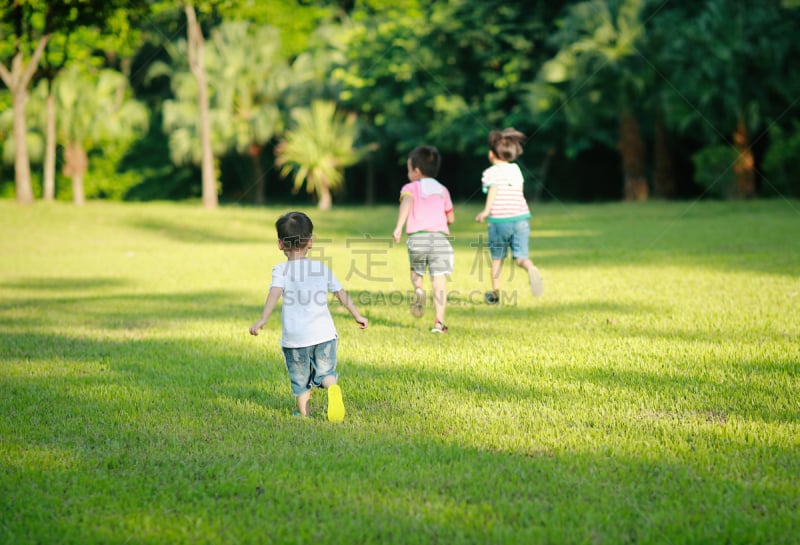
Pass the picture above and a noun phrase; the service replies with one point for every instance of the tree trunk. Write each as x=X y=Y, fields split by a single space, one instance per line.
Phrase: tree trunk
x=197 y=66
x=325 y=198
x=664 y=183
x=17 y=81
x=258 y=173
x=78 y=195
x=744 y=168
x=76 y=163
x=632 y=150
x=49 y=173
x=22 y=165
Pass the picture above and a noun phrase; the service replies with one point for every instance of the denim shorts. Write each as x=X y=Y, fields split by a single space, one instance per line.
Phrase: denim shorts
x=430 y=251
x=309 y=365
x=513 y=234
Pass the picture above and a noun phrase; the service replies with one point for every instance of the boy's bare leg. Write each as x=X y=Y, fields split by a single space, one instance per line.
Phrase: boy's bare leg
x=418 y=301
x=525 y=263
x=497 y=268
x=416 y=280
x=439 y=283
x=533 y=274
x=302 y=403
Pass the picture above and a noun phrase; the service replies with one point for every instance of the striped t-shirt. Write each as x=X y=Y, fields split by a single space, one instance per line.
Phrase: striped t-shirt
x=509 y=203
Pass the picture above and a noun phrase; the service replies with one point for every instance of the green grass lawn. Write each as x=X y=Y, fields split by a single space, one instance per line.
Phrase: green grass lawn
x=652 y=395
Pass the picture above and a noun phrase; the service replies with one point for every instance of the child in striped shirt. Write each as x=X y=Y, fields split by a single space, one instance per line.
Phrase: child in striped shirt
x=507 y=210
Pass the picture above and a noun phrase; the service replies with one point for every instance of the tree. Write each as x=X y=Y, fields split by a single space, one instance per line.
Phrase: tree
x=596 y=75
x=317 y=148
x=187 y=118
x=93 y=110
x=248 y=74
x=734 y=80
x=17 y=78
x=444 y=72
x=25 y=30
x=196 y=58
x=114 y=33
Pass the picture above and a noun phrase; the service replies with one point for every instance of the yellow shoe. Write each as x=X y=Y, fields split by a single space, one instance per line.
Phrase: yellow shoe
x=335 y=404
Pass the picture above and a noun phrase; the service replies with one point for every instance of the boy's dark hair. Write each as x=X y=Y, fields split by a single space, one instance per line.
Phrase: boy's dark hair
x=294 y=230
x=426 y=159
x=506 y=144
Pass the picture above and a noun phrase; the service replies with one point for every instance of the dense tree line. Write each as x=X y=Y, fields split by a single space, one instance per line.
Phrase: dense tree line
x=253 y=101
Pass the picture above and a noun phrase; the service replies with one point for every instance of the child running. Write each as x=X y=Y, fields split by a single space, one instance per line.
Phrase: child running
x=507 y=210
x=309 y=337
x=426 y=210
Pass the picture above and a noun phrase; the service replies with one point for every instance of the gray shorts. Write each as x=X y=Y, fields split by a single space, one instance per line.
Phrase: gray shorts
x=432 y=252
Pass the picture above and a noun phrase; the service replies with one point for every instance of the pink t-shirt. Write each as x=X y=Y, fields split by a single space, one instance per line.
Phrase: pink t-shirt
x=430 y=204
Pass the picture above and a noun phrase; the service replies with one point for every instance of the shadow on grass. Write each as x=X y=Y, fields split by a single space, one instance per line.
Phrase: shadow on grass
x=189 y=440
x=164 y=439
x=65 y=284
x=125 y=310
x=208 y=233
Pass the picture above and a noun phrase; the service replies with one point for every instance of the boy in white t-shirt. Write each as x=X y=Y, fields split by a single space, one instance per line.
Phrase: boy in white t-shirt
x=426 y=210
x=309 y=337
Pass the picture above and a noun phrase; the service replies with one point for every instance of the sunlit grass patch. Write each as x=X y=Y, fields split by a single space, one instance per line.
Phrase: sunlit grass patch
x=649 y=396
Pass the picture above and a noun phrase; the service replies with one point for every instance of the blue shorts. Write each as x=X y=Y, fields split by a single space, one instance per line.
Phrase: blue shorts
x=309 y=365
x=513 y=234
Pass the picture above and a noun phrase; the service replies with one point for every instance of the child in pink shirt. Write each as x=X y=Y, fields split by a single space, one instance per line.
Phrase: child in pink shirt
x=426 y=210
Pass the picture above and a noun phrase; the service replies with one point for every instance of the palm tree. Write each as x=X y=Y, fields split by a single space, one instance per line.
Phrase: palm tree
x=93 y=110
x=248 y=73
x=317 y=148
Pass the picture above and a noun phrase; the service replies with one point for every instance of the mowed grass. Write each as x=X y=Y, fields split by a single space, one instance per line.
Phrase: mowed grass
x=652 y=395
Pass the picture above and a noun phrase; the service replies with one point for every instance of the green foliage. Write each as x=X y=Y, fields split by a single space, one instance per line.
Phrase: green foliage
x=447 y=72
x=296 y=19
x=250 y=74
x=597 y=72
x=650 y=396
x=93 y=109
x=782 y=162
x=246 y=74
x=439 y=72
x=714 y=170
x=23 y=23
x=729 y=62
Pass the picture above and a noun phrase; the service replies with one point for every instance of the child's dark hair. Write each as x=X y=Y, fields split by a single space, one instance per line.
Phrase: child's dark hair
x=294 y=230
x=506 y=144
x=426 y=159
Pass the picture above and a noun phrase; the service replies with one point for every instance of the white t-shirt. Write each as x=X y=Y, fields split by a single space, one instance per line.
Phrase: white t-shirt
x=305 y=316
